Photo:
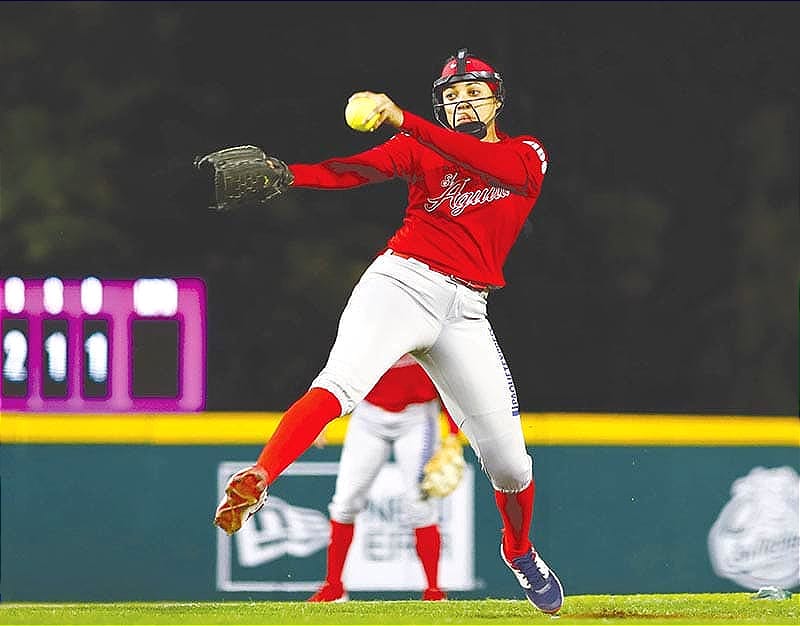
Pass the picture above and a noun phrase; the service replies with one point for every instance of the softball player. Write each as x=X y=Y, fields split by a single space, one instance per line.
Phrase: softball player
x=400 y=414
x=471 y=187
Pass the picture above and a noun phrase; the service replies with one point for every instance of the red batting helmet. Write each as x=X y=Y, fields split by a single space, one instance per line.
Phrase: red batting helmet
x=460 y=68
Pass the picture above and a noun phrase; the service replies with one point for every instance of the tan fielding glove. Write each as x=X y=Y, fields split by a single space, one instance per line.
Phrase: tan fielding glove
x=443 y=472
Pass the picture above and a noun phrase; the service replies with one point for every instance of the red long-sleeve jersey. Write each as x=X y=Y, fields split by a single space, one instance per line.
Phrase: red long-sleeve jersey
x=467 y=199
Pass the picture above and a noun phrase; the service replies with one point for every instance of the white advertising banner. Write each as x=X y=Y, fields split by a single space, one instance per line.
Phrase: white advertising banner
x=282 y=548
x=383 y=555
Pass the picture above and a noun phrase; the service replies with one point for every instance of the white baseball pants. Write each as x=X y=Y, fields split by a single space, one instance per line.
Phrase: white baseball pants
x=373 y=433
x=402 y=306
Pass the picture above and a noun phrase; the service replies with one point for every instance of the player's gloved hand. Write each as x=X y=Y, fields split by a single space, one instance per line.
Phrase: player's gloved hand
x=444 y=470
x=244 y=175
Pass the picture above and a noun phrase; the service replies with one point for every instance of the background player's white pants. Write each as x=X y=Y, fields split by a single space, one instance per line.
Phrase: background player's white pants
x=373 y=433
x=401 y=306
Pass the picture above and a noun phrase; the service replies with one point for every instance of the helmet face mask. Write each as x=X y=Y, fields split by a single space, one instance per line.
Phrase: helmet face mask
x=451 y=112
x=465 y=68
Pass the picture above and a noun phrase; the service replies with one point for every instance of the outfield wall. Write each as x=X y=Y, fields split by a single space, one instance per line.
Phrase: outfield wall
x=119 y=507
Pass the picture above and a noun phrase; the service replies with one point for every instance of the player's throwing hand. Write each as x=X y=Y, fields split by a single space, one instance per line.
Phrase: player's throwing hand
x=384 y=107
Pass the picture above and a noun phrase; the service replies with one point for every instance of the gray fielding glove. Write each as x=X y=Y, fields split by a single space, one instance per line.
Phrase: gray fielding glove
x=244 y=175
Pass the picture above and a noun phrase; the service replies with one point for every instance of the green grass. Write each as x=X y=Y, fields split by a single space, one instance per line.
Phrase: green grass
x=730 y=608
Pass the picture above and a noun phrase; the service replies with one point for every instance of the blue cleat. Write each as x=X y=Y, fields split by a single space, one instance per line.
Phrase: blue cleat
x=540 y=583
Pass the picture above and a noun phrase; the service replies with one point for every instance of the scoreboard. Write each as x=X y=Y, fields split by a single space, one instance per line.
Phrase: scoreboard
x=93 y=345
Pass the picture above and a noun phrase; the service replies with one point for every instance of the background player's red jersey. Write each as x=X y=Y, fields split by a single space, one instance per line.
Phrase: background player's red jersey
x=404 y=383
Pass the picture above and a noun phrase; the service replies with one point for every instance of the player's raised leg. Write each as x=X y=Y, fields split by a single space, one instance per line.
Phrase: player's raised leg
x=380 y=323
x=246 y=490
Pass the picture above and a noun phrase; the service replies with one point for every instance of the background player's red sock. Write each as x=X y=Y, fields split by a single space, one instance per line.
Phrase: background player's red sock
x=341 y=538
x=297 y=430
x=429 y=544
x=516 y=509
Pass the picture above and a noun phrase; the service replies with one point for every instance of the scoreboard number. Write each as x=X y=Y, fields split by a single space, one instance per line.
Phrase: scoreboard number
x=95 y=345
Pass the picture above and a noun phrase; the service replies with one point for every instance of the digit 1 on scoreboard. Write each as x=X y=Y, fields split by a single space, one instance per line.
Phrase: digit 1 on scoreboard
x=55 y=358
x=96 y=359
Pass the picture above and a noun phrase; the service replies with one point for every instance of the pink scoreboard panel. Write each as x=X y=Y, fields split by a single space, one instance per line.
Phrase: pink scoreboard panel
x=94 y=345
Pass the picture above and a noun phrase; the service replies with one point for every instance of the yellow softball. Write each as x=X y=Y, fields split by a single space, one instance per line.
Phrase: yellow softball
x=359 y=114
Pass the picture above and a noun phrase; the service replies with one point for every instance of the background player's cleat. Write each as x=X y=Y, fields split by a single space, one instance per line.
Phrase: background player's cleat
x=540 y=583
x=434 y=593
x=245 y=493
x=330 y=592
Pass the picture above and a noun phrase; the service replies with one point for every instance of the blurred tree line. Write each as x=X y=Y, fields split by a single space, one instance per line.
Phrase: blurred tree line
x=658 y=272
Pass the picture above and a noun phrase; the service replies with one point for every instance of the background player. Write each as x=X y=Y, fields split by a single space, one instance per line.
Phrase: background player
x=471 y=188
x=400 y=414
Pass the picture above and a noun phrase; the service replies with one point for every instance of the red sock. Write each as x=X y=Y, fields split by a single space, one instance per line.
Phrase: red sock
x=341 y=538
x=429 y=544
x=297 y=430
x=516 y=509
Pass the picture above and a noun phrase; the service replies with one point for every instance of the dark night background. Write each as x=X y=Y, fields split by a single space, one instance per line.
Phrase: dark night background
x=660 y=270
